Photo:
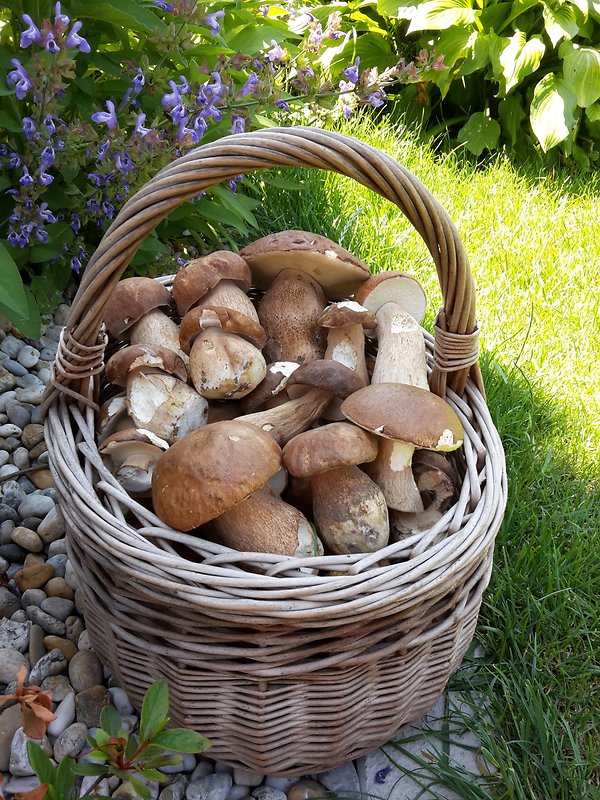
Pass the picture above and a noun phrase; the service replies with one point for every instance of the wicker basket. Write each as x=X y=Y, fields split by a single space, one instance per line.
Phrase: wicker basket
x=287 y=673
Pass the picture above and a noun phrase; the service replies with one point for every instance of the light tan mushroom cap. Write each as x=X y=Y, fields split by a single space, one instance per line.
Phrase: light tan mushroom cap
x=228 y=320
x=393 y=287
x=194 y=280
x=347 y=312
x=328 y=447
x=210 y=470
x=142 y=355
x=338 y=272
x=407 y=414
x=131 y=299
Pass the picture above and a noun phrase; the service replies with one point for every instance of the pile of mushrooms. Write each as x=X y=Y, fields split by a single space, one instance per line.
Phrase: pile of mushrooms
x=258 y=421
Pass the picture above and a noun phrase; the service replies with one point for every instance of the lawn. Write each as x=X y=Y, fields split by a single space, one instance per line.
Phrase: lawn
x=534 y=247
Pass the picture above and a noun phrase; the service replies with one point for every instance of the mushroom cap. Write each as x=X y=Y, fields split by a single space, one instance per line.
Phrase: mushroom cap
x=272 y=384
x=330 y=376
x=127 y=442
x=142 y=355
x=194 y=280
x=407 y=414
x=210 y=470
x=130 y=300
x=347 y=312
x=227 y=319
x=393 y=287
x=319 y=450
x=338 y=272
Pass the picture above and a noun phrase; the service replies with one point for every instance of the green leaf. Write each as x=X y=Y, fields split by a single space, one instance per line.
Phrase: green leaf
x=65 y=777
x=87 y=768
x=593 y=112
x=129 y=14
x=552 y=112
x=11 y=284
x=182 y=740
x=59 y=234
x=102 y=737
x=9 y=123
x=560 y=22
x=141 y=788
x=150 y=774
x=511 y=113
x=520 y=58
x=478 y=54
x=581 y=71
x=479 y=133
x=454 y=43
x=257 y=37
x=42 y=766
x=374 y=50
x=155 y=709
x=398 y=9
x=436 y=15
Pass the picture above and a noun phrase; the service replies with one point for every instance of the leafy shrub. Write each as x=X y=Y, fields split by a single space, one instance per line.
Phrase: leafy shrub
x=99 y=96
x=516 y=69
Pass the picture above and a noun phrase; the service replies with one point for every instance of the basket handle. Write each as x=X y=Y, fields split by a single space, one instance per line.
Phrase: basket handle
x=81 y=350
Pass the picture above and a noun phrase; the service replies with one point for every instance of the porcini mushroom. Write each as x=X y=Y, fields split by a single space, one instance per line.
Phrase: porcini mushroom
x=210 y=470
x=439 y=489
x=350 y=511
x=405 y=417
x=132 y=455
x=198 y=277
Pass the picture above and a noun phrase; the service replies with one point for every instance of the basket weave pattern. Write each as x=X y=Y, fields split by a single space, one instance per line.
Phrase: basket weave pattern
x=285 y=671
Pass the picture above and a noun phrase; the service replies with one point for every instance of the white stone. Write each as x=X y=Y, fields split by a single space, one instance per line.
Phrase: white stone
x=244 y=777
x=65 y=715
x=342 y=780
x=119 y=698
x=14 y=634
x=19 y=761
x=11 y=660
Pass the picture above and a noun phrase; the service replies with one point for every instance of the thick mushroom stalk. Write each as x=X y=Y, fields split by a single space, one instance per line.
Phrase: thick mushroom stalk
x=285 y=421
x=156 y=329
x=264 y=523
x=401 y=356
x=349 y=509
x=228 y=294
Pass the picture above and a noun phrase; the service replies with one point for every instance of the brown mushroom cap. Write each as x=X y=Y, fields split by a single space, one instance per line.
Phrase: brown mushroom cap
x=347 y=312
x=393 y=287
x=139 y=355
x=337 y=271
x=131 y=299
x=329 y=376
x=210 y=470
x=407 y=414
x=319 y=450
x=228 y=320
x=194 y=280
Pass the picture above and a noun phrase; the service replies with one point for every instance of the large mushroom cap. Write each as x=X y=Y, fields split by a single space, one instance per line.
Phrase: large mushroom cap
x=337 y=271
x=194 y=280
x=226 y=319
x=405 y=413
x=210 y=470
x=131 y=299
x=140 y=355
x=393 y=287
x=319 y=450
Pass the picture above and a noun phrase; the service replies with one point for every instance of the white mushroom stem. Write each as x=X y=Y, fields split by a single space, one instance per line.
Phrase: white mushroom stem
x=157 y=329
x=135 y=473
x=401 y=354
x=289 y=419
x=229 y=295
x=347 y=346
x=392 y=472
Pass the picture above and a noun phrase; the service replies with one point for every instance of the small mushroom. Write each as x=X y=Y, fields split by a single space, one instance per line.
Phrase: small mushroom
x=158 y=398
x=225 y=362
x=325 y=380
x=440 y=492
x=349 y=508
x=113 y=416
x=336 y=270
x=210 y=470
x=406 y=417
x=198 y=277
x=132 y=455
x=272 y=386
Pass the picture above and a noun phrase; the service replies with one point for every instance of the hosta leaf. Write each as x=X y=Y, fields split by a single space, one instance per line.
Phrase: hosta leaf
x=581 y=70
x=436 y=15
x=479 y=132
x=552 y=113
x=11 y=284
x=593 y=112
x=511 y=113
x=454 y=43
x=478 y=54
x=520 y=58
x=560 y=22
x=398 y=9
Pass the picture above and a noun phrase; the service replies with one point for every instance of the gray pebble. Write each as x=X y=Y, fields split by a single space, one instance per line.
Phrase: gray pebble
x=36 y=415
x=70 y=741
x=280 y=783
x=186 y=764
x=14 y=367
x=11 y=661
x=36 y=505
x=120 y=701
x=268 y=793
x=27 y=539
x=58 y=686
x=52 y=526
x=12 y=495
x=20 y=458
x=14 y=634
x=6 y=529
x=12 y=552
x=53 y=332
x=74 y=627
x=33 y=597
x=48 y=353
x=58 y=607
x=10 y=443
x=3 y=565
x=85 y=670
x=203 y=768
x=18 y=414
x=53 y=663
x=83 y=643
x=19 y=761
x=4 y=456
x=175 y=790
x=31 y=394
x=25 y=381
x=8 y=429
x=7 y=381
x=58 y=547
x=244 y=777
x=89 y=704
x=19 y=616
x=238 y=792
x=28 y=356
x=25 y=484
x=211 y=787
x=6 y=512
x=61 y=315
x=44 y=375
x=5 y=399
x=9 y=604
x=64 y=716
x=33 y=523
x=59 y=562
x=11 y=346
x=48 y=623
x=37 y=648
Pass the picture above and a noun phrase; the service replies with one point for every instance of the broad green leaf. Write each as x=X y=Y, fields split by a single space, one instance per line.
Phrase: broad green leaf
x=253 y=38
x=436 y=15
x=593 y=112
x=264 y=121
x=182 y=740
x=59 y=234
x=130 y=14
x=512 y=114
x=87 y=768
x=582 y=6
x=560 y=22
x=398 y=9
x=374 y=50
x=477 y=56
x=9 y=123
x=552 y=112
x=11 y=284
x=520 y=58
x=65 y=777
x=141 y=788
x=581 y=71
x=479 y=132
x=155 y=709
x=42 y=766
x=454 y=44
x=102 y=737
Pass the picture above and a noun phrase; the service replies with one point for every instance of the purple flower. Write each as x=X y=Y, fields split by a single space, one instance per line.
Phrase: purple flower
x=163 y=6
x=60 y=18
x=139 y=125
x=96 y=179
x=238 y=124
x=49 y=123
x=172 y=99
x=183 y=129
x=351 y=72
x=376 y=99
x=75 y=223
x=42 y=235
x=277 y=53
x=45 y=178
x=282 y=105
x=76 y=265
x=51 y=45
x=346 y=86
x=20 y=78
x=234 y=182
x=382 y=774
x=316 y=36
x=109 y=118
x=108 y=209
x=200 y=127
x=249 y=86
x=103 y=150
x=48 y=156
x=28 y=127
x=210 y=21
x=178 y=113
x=139 y=81
x=75 y=40
x=45 y=214
x=26 y=179
x=14 y=162
x=32 y=34
x=123 y=162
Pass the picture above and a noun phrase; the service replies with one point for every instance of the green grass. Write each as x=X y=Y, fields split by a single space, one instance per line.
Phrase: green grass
x=534 y=247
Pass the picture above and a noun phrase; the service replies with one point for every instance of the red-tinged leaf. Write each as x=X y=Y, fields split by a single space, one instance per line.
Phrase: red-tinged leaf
x=34 y=794
x=33 y=727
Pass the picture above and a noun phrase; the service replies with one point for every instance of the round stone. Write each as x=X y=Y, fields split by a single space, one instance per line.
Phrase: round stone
x=11 y=346
x=21 y=457
x=243 y=777
x=33 y=523
x=306 y=790
x=33 y=597
x=44 y=374
x=211 y=787
x=56 y=547
x=36 y=505
x=53 y=663
x=64 y=715
x=85 y=670
x=52 y=527
x=48 y=623
x=59 y=562
x=66 y=646
x=7 y=380
x=89 y=704
x=58 y=587
x=8 y=429
x=8 y=603
x=70 y=741
x=34 y=577
x=4 y=456
x=18 y=414
x=28 y=356
x=58 y=607
x=39 y=450
x=27 y=539
x=74 y=628
x=19 y=760
x=14 y=634
x=14 y=368
x=11 y=661
x=43 y=479
x=32 y=434
x=58 y=686
x=37 y=648
x=30 y=394
x=268 y=793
